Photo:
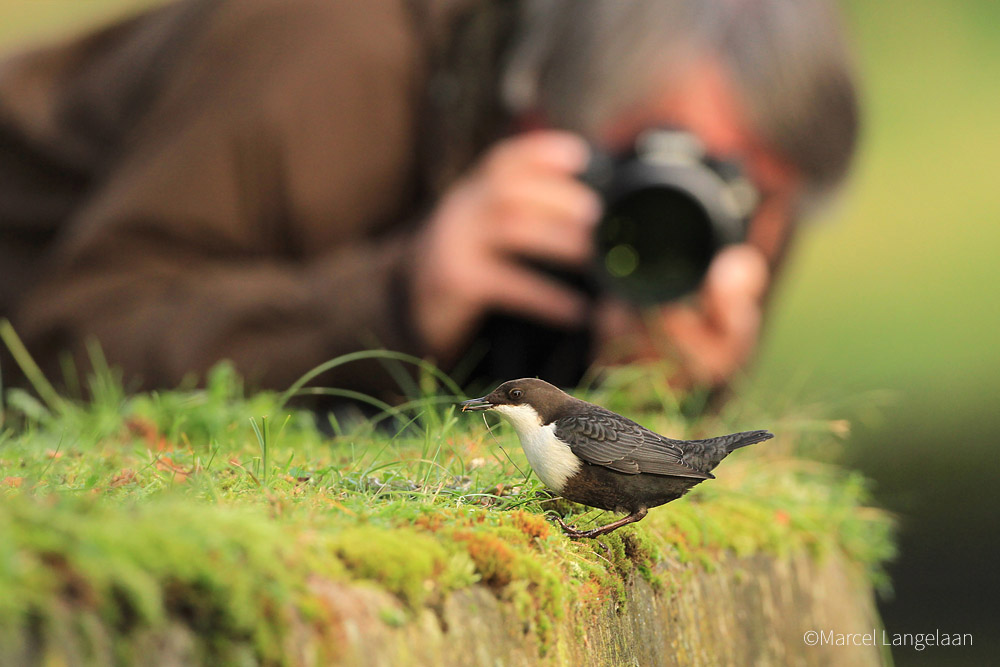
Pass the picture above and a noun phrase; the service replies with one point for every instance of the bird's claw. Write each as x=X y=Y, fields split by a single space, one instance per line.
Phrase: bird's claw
x=570 y=531
x=574 y=533
x=565 y=526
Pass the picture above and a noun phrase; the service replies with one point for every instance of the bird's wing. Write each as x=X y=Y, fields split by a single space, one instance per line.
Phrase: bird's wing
x=606 y=439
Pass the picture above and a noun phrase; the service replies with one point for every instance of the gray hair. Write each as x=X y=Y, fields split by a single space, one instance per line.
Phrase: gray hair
x=580 y=62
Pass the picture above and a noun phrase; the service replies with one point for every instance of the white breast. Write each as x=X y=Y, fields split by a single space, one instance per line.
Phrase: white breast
x=551 y=459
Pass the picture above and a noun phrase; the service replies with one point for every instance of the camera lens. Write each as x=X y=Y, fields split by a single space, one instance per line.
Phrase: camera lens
x=655 y=244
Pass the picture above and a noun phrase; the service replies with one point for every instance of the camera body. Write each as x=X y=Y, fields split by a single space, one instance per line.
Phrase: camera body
x=669 y=207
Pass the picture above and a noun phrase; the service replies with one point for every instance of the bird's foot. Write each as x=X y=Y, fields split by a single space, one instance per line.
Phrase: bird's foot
x=575 y=534
x=572 y=531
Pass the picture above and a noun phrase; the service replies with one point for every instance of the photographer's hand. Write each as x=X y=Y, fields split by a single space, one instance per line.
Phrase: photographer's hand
x=521 y=200
x=711 y=338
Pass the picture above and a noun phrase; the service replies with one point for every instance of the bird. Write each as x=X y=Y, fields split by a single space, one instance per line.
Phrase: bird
x=593 y=456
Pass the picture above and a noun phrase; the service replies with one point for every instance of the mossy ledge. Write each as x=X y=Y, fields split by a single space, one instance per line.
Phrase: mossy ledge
x=169 y=583
x=167 y=529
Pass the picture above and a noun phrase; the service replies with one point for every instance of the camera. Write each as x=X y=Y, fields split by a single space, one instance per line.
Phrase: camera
x=669 y=207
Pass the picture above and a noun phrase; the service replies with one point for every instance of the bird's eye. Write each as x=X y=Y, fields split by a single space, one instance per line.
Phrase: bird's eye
x=515 y=394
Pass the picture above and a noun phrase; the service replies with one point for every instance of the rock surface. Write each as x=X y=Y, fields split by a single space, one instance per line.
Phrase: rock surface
x=750 y=611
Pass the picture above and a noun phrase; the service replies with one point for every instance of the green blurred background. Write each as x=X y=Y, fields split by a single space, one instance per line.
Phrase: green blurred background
x=894 y=294
x=900 y=290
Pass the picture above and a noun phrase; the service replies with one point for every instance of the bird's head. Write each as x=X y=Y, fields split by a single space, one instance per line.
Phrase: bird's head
x=519 y=399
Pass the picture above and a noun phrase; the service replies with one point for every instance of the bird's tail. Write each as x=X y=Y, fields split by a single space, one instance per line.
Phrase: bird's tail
x=704 y=455
x=737 y=440
x=726 y=444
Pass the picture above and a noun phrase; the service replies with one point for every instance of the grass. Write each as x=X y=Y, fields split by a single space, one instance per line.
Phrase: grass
x=216 y=509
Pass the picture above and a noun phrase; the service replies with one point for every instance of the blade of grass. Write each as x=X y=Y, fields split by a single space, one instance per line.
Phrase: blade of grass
x=261 y=433
x=30 y=369
x=368 y=354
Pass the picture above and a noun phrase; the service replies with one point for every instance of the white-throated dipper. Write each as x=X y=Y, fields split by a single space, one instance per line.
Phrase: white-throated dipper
x=590 y=455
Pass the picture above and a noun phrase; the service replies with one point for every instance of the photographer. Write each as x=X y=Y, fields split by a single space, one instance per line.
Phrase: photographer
x=279 y=182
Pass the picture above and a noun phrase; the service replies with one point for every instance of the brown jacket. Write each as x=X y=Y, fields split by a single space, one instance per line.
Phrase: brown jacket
x=217 y=179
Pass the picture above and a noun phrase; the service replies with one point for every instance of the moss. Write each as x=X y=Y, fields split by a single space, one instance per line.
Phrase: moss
x=407 y=563
x=494 y=560
x=534 y=526
x=219 y=572
x=509 y=560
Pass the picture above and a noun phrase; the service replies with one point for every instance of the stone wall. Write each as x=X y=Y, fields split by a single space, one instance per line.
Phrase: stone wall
x=751 y=611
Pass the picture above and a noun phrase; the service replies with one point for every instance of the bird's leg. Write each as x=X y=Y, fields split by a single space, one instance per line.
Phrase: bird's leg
x=574 y=533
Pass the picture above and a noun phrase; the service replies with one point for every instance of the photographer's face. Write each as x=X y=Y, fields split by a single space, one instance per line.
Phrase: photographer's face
x=704 y=101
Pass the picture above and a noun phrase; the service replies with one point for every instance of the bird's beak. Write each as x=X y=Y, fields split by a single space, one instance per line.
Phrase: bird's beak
x=476 y=405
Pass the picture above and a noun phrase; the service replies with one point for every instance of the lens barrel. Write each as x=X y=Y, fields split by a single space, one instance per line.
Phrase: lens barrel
x=668 y=209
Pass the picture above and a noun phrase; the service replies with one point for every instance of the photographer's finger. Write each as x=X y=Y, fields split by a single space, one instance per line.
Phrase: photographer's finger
x=734 y=287
x=527 y=292
x=543 y=149
x=545 y=240
x=742 y=268
x=556 y=198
